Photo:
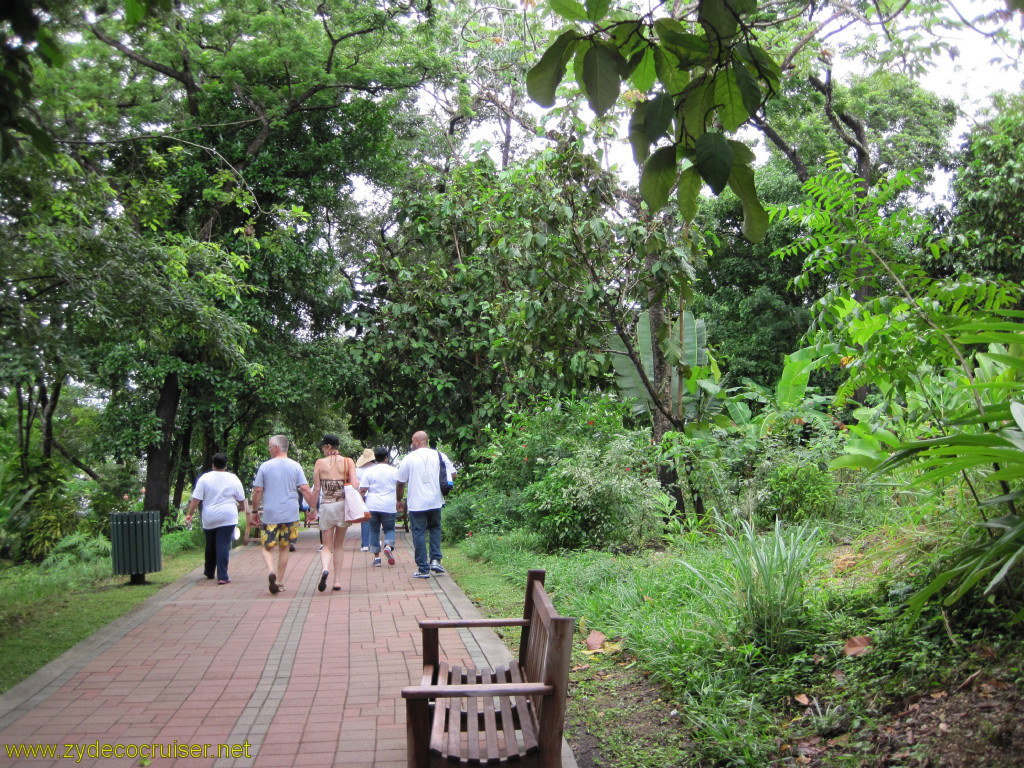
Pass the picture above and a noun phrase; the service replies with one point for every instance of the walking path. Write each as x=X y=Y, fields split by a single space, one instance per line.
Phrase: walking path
x=301 y=678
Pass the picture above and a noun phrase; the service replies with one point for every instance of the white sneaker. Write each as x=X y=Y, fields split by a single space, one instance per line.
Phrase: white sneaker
x=364 y=549
x=436 y=567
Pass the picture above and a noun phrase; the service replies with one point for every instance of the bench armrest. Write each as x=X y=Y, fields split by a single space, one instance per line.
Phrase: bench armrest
x=473 y=691
x=470 y=623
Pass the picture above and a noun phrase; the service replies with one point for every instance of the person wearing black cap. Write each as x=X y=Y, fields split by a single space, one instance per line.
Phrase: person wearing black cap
x=330 y=476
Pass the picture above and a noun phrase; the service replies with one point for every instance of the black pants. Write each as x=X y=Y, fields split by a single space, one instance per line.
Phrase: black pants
x=218 y=545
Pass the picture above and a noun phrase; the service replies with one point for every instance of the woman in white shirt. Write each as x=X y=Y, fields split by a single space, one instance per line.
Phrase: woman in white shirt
x=223 y=498
x=377 y=484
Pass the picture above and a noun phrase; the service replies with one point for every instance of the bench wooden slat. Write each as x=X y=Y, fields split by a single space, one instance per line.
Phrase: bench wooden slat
x=454 y=747
x=490 y=723
x=440 y=716
x=508 y=724
x=472 y=721
x=525 y=714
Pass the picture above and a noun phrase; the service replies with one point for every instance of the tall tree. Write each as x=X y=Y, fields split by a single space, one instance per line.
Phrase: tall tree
x=988 y=211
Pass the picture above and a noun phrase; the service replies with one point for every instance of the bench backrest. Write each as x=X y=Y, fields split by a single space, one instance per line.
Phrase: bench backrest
x=545 y=654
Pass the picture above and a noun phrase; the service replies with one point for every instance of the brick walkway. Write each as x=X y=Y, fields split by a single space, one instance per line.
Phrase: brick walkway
x=303 y=678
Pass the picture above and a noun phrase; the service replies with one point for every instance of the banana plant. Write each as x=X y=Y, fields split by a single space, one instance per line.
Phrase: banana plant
x=792 y=401
x=695 y=393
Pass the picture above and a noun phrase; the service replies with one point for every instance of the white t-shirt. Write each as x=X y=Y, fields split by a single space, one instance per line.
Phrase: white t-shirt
x=419 y=471
x=220 y=493
x=380 y=481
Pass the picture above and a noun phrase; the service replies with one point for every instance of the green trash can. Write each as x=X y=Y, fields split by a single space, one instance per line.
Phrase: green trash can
x=135 y=544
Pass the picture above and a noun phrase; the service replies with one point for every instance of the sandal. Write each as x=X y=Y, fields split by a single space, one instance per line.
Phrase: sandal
x=336 y=588
x=274 y=586
x=323 y=582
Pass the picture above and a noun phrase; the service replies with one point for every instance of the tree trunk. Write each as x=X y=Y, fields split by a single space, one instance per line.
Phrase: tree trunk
x=49 y=402
x=182 y=463
x=158 y=453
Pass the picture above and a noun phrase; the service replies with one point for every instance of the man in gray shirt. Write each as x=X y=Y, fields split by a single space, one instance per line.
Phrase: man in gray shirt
x=276 y=483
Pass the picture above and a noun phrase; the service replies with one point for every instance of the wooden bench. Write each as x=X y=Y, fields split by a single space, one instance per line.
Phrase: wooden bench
x=512 y=714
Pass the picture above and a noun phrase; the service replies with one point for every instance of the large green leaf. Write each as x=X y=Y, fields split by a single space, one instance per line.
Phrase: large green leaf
x=597 y=9
x=601 y=68
x=750 y=91
x=731 y=109
x=690 y=184
x=658 y=119
x=714 y=160
x=688 y=346
x=658 y=177
x=628 y=379
x=638 y=138
x=718 y=19
x=698 y=101
x=543 y=78
x=568 y=9
x=688 y=48
x=755 y=217
x=671 y=76
x=644 y=75
x=796 y=373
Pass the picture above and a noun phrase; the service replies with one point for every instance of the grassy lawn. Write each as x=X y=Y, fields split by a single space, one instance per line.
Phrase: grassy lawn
x=44 y=613
x=672 y=686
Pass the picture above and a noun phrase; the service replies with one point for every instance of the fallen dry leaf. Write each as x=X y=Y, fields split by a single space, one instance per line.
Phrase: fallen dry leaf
x=648 y=599
x=594 y=640
x=580 y=667
x=802 y=699
x=606 y=648
x=855 y=646
x=839 y=675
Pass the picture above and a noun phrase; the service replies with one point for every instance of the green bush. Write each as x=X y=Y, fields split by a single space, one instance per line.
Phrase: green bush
x=594 y=499
x=542 y=434
x=481 y=510
x=51 y=515
x=798 y=492
x=78 y=547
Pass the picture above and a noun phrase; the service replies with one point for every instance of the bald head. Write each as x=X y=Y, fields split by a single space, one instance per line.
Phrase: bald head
x=420 y=440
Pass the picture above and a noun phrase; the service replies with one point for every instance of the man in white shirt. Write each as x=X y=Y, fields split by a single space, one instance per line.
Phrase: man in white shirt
x=223 y=498
x=419 y=473
x=276 y=483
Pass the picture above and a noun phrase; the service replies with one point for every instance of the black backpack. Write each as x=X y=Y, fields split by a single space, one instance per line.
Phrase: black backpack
x=442 y=475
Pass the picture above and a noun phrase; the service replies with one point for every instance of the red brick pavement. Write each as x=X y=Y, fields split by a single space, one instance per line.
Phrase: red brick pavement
x=303 y=678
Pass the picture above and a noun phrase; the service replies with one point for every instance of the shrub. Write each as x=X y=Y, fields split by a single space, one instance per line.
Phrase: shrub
x=52 y=516
x=593 y=499
x=481 y=510
x=798 y=492
x=538 y=437
x=78 y=547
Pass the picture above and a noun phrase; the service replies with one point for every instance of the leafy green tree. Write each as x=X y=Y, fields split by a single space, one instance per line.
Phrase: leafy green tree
x=237 y=135
x=988 y=212
x=754 y=317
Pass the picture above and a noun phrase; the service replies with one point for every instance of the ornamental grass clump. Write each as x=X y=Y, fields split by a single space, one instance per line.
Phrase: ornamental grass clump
x=761 y=592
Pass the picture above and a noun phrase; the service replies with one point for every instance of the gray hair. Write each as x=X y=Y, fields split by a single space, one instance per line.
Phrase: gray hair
x=281 y=442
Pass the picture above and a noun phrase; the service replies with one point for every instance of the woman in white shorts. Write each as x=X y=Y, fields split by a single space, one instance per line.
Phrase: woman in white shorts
x=330 y=476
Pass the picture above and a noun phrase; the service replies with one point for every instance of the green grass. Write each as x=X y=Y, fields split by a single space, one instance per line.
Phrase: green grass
x=43 y=613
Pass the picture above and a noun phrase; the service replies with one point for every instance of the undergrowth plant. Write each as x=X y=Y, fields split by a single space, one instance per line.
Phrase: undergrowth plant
x=970 y=428
x=762 y=593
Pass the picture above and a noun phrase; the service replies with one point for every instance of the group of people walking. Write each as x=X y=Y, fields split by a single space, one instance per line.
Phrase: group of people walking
x=415 y=487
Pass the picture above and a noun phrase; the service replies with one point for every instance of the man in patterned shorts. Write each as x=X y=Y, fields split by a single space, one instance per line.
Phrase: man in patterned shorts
x=276 y=483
